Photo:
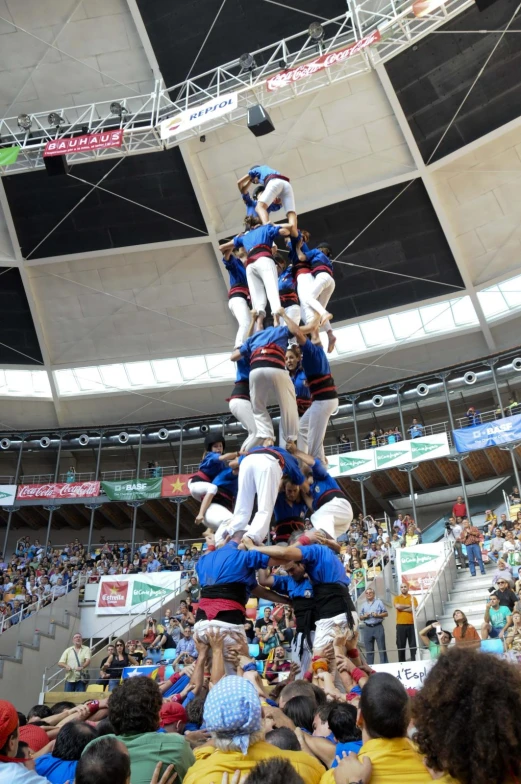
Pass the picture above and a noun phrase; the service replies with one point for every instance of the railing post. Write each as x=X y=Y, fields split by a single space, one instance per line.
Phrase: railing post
x=16 y=477
x=96 y=477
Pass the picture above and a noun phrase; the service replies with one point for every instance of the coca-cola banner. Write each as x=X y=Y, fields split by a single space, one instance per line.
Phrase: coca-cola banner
x=284 y=78
x=59 y=490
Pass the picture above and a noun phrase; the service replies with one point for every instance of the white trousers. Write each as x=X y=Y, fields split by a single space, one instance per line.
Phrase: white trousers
x=259 y=475
x=314 y=294
x=243 y=413
x=217 y=515
x=263 y=382
x=303 y=661
x=200 y=634
x=326 y=631
x=313 y=426
x=279 y=189
x=334 y=517
x=242 y=314
x=198 y=490
x=263 y=283
x=294 y=313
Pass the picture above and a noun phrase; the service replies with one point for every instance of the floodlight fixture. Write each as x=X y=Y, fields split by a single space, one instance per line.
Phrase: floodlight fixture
x=316 y=32
x=247 y=62
x=55 y=120
x=118 y=109
x=24 y=122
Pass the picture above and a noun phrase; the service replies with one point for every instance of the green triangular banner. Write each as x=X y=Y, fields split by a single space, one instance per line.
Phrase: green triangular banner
x=5 y=495
x=142 y=592
x=411 y=560
x=8 y=155
x=347 y=463
x=419 y=448
x=386 y=457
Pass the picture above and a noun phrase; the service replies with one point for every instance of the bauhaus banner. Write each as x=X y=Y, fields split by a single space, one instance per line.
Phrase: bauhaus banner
x=502 y=431
x=132 y=489
x=135 y=593
x=366 y=461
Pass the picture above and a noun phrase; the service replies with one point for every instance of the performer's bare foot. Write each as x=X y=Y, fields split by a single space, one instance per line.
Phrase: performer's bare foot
x=291 y=447
x=325 y=318
x=259 y=323
x=331 y=340
x=268 y=442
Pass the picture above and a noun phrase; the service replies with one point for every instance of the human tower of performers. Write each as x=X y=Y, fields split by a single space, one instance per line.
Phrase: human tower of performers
x=287 y=362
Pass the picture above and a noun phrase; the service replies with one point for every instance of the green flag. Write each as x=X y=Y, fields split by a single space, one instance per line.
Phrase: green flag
x=144 y=592
x=8 y=155
x=350 y=463
x=384 y=456
x=410 y=560
x=133 y=489
x=419 y=448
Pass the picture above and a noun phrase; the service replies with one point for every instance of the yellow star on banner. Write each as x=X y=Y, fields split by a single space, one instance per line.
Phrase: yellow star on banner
x=177 y=486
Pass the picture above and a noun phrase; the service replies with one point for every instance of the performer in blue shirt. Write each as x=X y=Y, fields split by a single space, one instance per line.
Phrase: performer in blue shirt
x=239 y=404
x=251 y=202
x=265 y=351
x=213 y=462
x=227 y=577
x=287 y=289
x=238 y=296
x=297 y=375
x=261 y=272
x=290 y=512
x=315 y=285
x=335 y=611
x=260 y=474
x=275 y=186
x=218 y=503
x=332 y=512
x=296 y=585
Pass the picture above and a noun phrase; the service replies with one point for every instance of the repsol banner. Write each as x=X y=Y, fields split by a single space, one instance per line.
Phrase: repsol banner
x=197 y=115
x=502 y=431
x=365 y=461
x=135 y=593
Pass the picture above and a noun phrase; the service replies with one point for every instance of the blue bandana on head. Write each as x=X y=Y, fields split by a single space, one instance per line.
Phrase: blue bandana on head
x=232 y=709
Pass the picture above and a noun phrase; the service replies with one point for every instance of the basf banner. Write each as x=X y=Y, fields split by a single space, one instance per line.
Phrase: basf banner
x=501 y=431
x=135 y=593
x=366 y=461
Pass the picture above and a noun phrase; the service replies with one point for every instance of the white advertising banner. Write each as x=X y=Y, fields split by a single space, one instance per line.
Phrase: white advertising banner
x=418 y=566
x=121 y=594
x=412 y=674
x=191 y=118
x=365 y=461
x=7 y=495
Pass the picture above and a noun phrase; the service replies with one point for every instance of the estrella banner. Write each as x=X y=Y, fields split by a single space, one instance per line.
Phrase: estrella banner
x=135 y=593
x=132 y=489
x=501 y=431
x=175 y=485
x=365 y=461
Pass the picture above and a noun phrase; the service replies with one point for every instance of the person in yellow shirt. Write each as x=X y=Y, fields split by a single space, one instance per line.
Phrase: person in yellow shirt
x=232 y=715
x=383 y=716
x=403 y=604
x=467 y=719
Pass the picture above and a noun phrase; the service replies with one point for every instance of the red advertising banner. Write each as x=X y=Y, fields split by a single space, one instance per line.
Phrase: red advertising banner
x=175 y=485
x=90 y=141
x=284 y=78
x=59 y=490
x=113 y=594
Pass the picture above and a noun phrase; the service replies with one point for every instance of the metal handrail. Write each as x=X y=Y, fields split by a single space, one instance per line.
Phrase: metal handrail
x=42 y=603
x=131 y=619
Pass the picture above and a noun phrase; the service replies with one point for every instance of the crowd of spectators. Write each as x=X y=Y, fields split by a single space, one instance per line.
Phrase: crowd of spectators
x=35 y=575
x=229 y=727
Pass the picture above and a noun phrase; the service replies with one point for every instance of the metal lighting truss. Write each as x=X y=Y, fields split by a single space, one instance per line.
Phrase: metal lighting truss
x=394 y=19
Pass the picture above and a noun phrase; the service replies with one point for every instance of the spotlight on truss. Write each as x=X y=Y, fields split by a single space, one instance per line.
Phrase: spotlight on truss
x=316 y=32
x=118 y=109
x=24 y=122
x=55 y=120
x=247 y=62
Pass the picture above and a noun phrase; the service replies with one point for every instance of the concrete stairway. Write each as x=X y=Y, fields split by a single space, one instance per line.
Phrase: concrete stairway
x=470 y=595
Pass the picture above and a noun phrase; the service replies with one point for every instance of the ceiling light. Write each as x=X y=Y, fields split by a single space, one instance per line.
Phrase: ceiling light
x=55 y=120
x=118 y=109
x=24 y=122
x=425 y=7
x=316 y=31
x=247 y=62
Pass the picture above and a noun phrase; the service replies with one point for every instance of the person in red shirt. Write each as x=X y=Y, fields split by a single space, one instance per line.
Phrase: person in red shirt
x=459 y=509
